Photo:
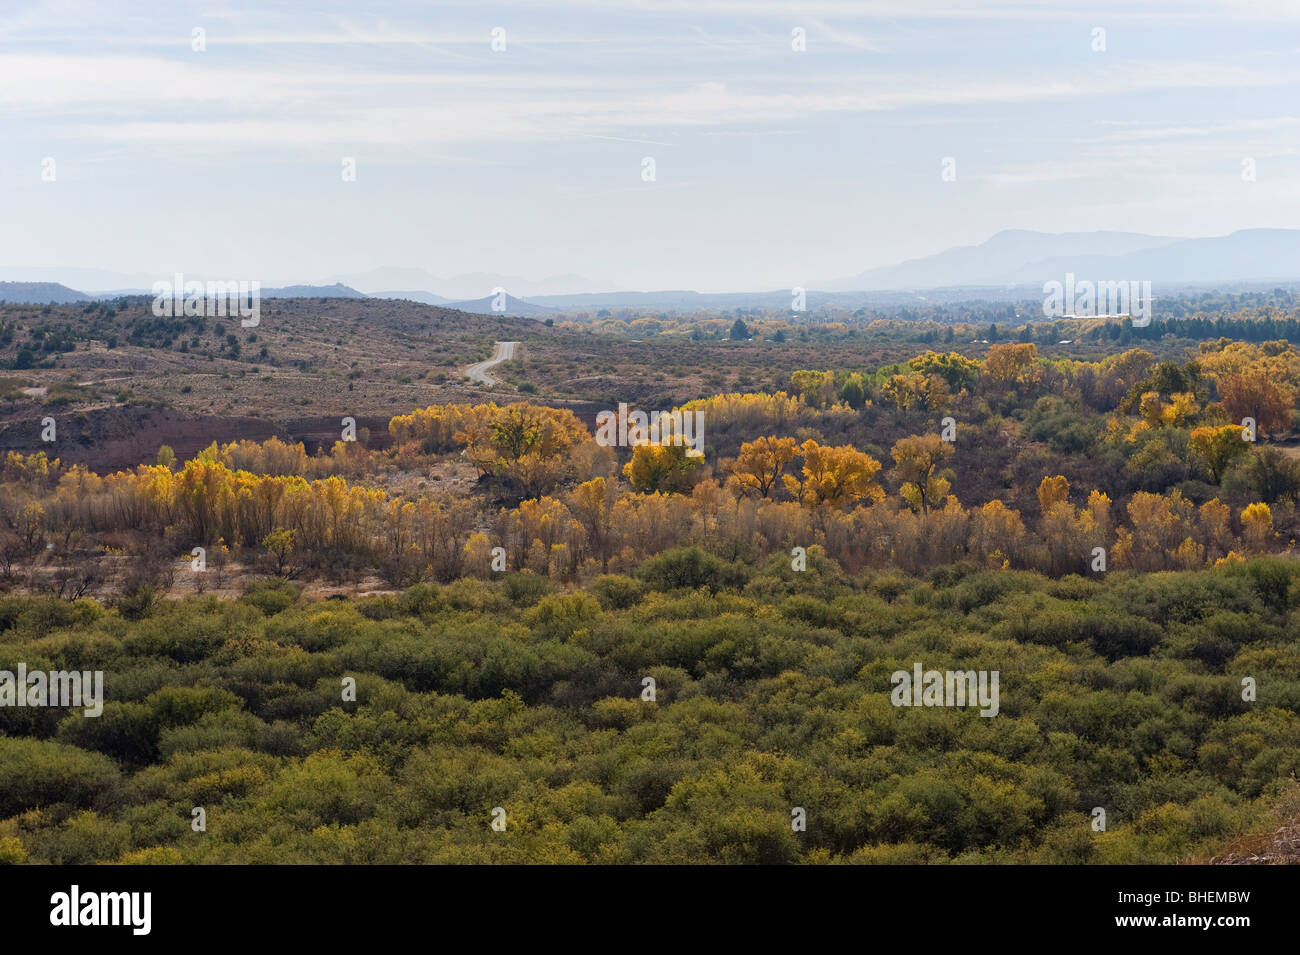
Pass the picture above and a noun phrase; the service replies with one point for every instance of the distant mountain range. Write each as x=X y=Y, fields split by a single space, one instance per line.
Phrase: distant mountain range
x=1011 y=266
x=46 y=293
x=994 y=262
x=1017 y=257
x=468 y=286
x=378 y=283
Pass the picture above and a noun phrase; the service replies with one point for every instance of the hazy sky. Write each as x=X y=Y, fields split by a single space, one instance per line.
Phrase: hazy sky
x=773 y=167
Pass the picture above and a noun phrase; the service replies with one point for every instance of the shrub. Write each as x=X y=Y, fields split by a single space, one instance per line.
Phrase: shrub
x=616 y=592
x=271 y=596
x=42 y=772
x=692 y=568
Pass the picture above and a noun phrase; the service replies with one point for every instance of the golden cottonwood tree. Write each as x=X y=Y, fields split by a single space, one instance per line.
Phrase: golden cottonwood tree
x=524 y=443
x=758 y=468
x=817 y=388
x=1256 y=526
x=1218 y=447
x=1008 y=365
x=834 y=476
x=916 y=465
x=1161 y=536
x=1255 y=395
x=956 y=370
x=661 y=467
x=915 y=391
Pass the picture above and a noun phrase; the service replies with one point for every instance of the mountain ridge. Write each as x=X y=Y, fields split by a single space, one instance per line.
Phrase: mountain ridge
x=1011 y=259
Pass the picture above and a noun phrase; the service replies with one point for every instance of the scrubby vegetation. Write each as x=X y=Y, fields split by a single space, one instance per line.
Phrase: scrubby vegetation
x=771 y=692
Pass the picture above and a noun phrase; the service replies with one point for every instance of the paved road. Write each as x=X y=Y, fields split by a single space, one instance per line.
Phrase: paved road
x=504 y=352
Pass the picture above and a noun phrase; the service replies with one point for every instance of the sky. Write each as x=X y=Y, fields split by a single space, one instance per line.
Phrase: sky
x=773 y=166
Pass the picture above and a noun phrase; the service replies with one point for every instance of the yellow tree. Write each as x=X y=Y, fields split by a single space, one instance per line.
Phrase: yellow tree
x=1161 y=534
x=1007 y=365
x=661 y=467
x=279 y=545
x=1060 y=529
x=834 y=476
x=592 y=505
x=1256 y=395
x=1052 y=490
x=1215 y=528
x=907 y=392
x=817 y=388
x=916 y=465
x=1099 y=514
x=1218 y=447
x=956 y=370
x=1256 y=526
x=1157 y=413
x=997 y=534
x=527 y=444
x=760 y=464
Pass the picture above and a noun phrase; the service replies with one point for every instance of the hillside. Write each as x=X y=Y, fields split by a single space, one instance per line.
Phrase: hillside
x=124 y=382
x=490 y=305
x=39 y=293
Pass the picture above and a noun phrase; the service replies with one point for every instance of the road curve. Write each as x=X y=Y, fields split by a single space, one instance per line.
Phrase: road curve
x=504 y=352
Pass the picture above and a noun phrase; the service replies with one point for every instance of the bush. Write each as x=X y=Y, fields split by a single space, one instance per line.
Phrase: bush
x=616 y=592
x=42 y=773
x=525 y=588
x=422 y=600
x=271 y=596
x=1120 y=635
x=559 y=615
x=1272 y=577
x=692 y=568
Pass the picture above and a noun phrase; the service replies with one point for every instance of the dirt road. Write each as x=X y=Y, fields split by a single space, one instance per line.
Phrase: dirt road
x=504 y=352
